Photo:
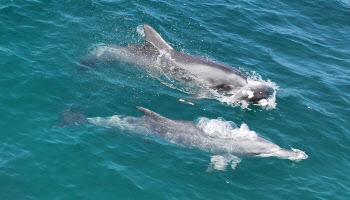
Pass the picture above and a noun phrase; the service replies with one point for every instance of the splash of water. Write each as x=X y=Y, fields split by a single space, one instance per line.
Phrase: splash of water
x=219 y=128
x=269 y=103
x=140 y=31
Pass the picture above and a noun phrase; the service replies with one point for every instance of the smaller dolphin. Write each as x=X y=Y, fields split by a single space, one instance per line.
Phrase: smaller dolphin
x=227 y=145
x=157 y=53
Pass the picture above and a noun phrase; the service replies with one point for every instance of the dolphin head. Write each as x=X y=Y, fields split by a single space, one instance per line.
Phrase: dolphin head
x=254 y=91
x=264 y=148
x=294 y=154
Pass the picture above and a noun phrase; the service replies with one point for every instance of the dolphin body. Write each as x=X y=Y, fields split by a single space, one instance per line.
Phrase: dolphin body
x=155 y=52
x=190 y=135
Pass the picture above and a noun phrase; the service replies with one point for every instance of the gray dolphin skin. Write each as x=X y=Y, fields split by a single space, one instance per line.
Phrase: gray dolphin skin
x=221 y=77
x=191 y=135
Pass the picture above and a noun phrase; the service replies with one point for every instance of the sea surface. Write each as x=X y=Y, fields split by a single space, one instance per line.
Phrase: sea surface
x=301 y=47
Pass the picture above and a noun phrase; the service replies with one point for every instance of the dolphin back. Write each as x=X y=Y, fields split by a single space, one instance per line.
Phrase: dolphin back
x=150 y=114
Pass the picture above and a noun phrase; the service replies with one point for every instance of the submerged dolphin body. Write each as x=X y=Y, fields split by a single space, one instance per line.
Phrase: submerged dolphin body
x=156 y=52
x=240 y=142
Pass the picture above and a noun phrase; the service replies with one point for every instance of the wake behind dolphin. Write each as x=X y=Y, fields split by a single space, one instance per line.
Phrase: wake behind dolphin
x=223 y=139
x=157 y=55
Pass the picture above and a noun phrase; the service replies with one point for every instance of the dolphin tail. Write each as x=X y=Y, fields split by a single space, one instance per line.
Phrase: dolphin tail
x=70 y=117
x=154 y=38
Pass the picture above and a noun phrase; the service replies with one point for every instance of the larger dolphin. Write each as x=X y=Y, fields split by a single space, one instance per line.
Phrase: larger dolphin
x=155 y=51
x=226 y=145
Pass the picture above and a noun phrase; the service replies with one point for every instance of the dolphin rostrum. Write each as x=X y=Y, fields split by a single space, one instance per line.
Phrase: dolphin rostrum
x=221 y=77
x=226 y=143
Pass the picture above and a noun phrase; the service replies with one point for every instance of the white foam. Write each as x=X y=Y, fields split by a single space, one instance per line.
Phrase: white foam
x=269 y=103
x=219 y=128
x=99 y=49
x=253 y=78
x=140 y=31
x=248 y=93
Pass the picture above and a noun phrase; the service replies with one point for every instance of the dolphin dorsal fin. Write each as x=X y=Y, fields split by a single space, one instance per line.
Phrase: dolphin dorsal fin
x=150 y=114
x=154 y=38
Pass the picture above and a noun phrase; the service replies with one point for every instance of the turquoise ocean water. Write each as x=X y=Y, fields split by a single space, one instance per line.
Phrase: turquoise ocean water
x=300 y=46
